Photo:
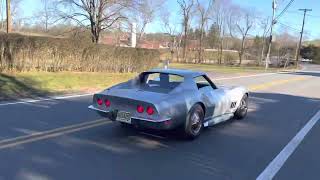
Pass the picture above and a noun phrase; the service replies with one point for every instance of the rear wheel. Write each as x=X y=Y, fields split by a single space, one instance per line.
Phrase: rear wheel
x=242 y=110
x=194 y=122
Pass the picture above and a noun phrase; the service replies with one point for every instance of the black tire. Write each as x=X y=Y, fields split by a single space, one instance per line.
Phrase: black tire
x=194 y=122
x=242 y=110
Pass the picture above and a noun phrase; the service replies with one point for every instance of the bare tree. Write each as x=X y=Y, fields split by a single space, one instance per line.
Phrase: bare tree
x=220 y=14
x=16 y=12
x=203 y=13
x=171 y=29
x=186 y=8
x=99 y=14
x=241 y=26
x=144 y=14
x=47 y=13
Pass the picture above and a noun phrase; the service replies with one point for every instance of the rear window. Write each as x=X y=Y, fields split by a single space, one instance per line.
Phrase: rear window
x=160 y=81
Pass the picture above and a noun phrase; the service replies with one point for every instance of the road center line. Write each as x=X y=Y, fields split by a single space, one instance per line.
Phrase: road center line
x=275 y=165
x=51 y=133
x=274 y=83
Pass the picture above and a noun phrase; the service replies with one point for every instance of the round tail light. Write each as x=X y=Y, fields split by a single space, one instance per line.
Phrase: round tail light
x=140 y=109
x=99 y=101
x=107 y=103
x=150 y=110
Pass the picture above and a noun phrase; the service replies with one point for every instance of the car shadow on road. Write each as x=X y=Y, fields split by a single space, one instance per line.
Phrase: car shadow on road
x=12 y=88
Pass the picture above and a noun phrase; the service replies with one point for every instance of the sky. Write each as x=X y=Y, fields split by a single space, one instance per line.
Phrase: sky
x=291 y=21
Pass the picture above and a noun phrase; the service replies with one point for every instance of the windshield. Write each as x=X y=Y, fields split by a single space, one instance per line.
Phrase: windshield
x=160 y=82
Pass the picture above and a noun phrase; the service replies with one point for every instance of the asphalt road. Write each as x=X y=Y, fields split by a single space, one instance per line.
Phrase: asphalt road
x=62 y=139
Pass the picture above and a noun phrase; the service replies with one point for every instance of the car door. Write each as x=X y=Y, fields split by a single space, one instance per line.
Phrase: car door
x=214 y=99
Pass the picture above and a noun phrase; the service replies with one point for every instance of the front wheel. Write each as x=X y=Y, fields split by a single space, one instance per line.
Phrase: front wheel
x=242 y=110
x=194 y=122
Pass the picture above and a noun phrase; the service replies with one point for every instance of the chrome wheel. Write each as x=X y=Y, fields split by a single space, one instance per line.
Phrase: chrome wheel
x=242 y=109
x=195 y=123
x=243 y=105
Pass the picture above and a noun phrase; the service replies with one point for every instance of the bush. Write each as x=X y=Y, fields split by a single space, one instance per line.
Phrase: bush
x=25 y=53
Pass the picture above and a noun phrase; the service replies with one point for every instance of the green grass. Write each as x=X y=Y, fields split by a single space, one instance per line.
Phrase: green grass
x=220 y=68
x=30 y=84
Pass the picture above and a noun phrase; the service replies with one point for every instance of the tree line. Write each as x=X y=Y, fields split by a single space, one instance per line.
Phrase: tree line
x=213 y=24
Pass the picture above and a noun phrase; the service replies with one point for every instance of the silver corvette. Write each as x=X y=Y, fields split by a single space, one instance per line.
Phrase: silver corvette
x=170 y=98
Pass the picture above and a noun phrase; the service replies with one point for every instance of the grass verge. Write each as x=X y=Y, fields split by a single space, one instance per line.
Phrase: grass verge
x=32 y=84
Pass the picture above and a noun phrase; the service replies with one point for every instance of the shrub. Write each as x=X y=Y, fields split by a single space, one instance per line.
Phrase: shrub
x=25 y=53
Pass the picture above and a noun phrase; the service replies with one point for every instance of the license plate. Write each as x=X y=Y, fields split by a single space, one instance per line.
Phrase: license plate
x=124 y=117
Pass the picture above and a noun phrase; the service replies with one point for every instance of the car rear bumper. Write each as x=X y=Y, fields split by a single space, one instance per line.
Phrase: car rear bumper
x=161 y=124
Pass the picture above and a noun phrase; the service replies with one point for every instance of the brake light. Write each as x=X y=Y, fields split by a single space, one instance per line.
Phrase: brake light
x=99 y=101
x=150 y=110
x=140 y=109
x=107 y=103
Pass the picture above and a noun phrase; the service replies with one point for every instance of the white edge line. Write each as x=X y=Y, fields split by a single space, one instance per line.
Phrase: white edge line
x=45 y=99
x=275 y=165
x=239 y=77
x=82 y=95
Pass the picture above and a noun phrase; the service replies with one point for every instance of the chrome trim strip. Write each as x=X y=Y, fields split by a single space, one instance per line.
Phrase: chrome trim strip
x=96 y=109
x=151 y=120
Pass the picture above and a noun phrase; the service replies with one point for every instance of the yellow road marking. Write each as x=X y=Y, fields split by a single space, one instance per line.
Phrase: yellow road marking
x=51 y=133
x=274 y=83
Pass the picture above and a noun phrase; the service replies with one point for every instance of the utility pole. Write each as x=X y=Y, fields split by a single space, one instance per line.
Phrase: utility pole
x=273 y=22
x=301 y=35
x=8 y=16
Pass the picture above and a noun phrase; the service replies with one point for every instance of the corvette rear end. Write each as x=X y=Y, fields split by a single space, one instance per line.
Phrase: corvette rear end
x=132 y=105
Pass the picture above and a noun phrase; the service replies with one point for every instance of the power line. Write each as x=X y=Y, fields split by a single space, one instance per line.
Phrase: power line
x=309 y=15
x=285 y=9
x=290 y=27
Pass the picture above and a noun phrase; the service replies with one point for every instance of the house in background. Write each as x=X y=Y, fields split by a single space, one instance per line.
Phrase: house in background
x=123 y=40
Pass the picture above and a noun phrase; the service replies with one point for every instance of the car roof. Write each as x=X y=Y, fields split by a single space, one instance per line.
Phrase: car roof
x=180 y=72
